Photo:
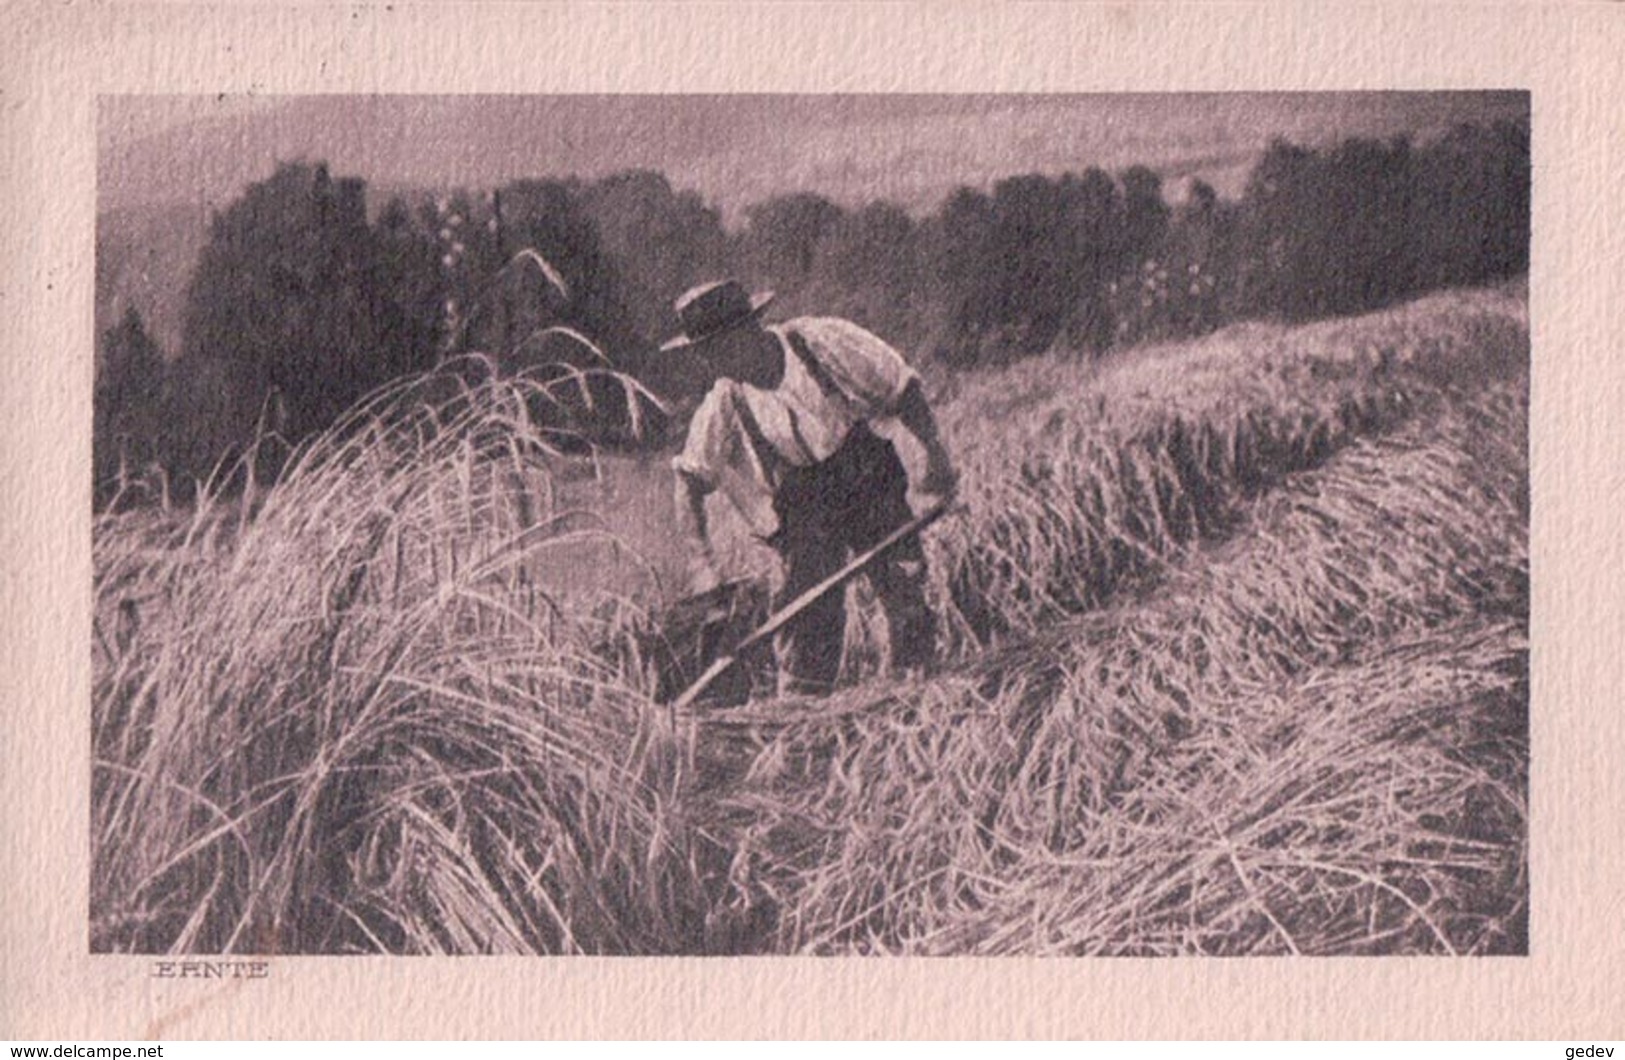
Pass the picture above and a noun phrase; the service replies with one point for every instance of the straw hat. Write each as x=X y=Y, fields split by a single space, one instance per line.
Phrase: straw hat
x=713 y=308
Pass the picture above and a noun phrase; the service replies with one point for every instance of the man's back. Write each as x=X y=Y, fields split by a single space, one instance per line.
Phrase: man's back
x=836 y=375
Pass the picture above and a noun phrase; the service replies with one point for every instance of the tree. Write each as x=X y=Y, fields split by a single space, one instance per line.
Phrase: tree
x=660 y=242
x=128 y=429
x=1469 y=216
x=1330 y=232
x=1094 y=212
x=1145 y=217
x=296 y=295
x=867 y=269
x=1282 y=231
x=1201 y=254
x=550 y=269
x=1025 y=268
x=409 y=291
x=781 y=239
x=959 y=260
x=1040 y=242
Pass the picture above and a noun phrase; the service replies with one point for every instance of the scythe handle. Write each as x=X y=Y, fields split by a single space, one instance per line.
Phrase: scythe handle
x=795 y=607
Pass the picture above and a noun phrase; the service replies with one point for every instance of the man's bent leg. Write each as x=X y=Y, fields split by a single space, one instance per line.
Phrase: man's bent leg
x=877 y=474
x=911 y=626
x=809 y=647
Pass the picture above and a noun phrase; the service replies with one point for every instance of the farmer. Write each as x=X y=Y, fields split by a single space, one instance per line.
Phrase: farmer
x=785 y=435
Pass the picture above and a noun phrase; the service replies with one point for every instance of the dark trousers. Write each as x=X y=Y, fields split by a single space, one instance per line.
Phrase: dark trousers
x=828 y=513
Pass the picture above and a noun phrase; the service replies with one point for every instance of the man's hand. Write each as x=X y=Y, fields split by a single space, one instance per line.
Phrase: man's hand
x=702 y=577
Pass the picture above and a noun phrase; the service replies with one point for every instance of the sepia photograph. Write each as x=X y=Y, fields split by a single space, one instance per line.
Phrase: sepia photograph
x=947 y=524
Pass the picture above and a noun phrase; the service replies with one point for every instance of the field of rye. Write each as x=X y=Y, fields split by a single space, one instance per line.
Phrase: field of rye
x=1235 y=661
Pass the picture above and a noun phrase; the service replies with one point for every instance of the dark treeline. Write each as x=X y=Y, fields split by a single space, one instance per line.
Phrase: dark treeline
x=302 y=302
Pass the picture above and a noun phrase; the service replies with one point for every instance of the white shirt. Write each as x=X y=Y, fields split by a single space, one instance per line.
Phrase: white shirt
x=799 y=422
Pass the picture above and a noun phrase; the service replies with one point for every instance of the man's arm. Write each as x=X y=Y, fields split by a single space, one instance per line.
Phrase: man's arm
x=868 y=371
x=914 y=413
x=689 y=501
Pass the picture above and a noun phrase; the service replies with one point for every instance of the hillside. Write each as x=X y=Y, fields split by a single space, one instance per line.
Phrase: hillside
x=165 y=164
x=909 y=149
x=1235 y=662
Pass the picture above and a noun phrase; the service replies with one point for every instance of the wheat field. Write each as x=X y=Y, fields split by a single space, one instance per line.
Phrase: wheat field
x=1234 y=661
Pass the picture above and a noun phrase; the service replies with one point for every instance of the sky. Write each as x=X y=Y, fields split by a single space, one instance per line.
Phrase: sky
x=736 y=150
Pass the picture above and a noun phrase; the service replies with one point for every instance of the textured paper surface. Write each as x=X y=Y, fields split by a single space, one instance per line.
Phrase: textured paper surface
x=59 y=58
